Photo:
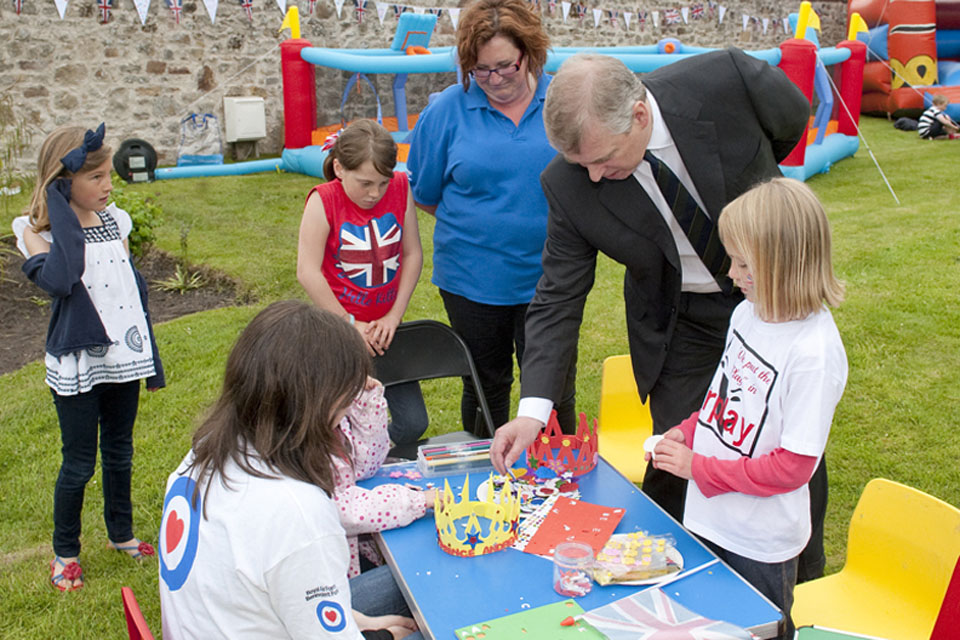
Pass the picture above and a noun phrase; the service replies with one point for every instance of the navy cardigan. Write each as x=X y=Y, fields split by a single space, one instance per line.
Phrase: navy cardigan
x=74 y=322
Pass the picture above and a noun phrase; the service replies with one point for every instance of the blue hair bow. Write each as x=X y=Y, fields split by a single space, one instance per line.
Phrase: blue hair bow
x=92 y=140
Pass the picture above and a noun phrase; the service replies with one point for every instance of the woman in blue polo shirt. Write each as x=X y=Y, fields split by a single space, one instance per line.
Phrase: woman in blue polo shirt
x=475 y=160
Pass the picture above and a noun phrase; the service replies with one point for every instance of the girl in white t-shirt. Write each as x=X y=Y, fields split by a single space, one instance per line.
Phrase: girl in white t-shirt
x=251 y=545
x=757 y=438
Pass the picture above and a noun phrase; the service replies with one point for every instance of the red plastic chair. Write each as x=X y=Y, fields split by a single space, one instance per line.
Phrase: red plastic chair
x=136 y=625
x=948 y=620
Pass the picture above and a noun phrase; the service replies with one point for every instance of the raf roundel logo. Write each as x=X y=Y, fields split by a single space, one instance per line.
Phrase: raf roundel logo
x=179 y=533
x=331 y=616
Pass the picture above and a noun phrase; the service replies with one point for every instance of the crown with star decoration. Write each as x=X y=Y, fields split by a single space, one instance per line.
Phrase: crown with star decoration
x=562 y=452
x=474 y=527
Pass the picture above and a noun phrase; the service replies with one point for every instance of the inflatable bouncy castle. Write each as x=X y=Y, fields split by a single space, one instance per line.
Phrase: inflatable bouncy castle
x=913 y=52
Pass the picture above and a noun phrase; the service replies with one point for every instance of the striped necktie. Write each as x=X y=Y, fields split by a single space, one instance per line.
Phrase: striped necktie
x=696 y=224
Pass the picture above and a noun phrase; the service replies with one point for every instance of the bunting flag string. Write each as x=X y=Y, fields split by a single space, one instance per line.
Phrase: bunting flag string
x=624 y=17
x=105 y=7
x=176 y=8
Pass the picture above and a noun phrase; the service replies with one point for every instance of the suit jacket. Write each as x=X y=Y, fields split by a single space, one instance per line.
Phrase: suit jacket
x=733 y=118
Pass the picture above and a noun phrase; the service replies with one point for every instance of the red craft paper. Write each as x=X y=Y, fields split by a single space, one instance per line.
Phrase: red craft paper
x=575 y=521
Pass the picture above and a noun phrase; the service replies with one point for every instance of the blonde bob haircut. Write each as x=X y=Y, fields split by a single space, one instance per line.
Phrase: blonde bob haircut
x=512 y=19
x=781 y=230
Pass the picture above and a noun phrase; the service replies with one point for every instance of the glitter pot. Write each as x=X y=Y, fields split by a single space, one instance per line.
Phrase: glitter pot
x=572 y=564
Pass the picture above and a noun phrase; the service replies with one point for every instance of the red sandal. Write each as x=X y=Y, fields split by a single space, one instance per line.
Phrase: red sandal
x=68 y=571
x=136 y=550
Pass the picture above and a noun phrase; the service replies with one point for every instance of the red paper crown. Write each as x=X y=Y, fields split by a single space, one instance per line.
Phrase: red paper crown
x=563 y=452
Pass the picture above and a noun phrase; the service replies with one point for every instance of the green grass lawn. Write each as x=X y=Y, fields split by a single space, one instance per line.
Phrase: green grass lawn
x=900 y=324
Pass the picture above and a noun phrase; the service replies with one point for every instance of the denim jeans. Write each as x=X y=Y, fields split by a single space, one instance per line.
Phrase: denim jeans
x=774 y=580
x=408 y=413
x=492 y=333
x=110 y=409
x=375 y=593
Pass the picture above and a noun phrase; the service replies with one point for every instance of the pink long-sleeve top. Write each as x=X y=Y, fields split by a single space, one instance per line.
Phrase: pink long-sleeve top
x=369 y=510
x=779 y=471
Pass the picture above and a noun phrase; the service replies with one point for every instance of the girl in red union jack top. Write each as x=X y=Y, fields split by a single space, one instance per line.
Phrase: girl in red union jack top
x=359 y=254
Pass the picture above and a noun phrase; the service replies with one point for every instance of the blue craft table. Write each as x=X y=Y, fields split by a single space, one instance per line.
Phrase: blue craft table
x=445 y=592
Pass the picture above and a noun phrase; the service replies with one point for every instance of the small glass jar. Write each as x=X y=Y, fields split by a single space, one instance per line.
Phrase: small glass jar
x=572 y=565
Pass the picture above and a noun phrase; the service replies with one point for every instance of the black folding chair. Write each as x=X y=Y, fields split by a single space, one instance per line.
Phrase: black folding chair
x=425 y=350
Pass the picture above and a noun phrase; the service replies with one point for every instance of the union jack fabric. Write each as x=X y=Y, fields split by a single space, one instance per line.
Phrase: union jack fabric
x=652 y=614
x=248 y=8
x=370 y=255
x=397 y=9
x=360 y=6
x=671 y=16
x=696 y=11
x=641 y=18
x=312 y=6
x=435 y=11
x=581 y=11
x=105 y=7
x=612 y=14
x=17 y=6
x=176 y=7
x=551 y=7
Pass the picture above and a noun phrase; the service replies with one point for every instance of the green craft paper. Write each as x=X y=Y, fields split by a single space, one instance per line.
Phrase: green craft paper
x=542 y=623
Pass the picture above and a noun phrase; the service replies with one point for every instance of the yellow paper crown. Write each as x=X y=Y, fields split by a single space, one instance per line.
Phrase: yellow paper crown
x=562 y=452
x=473 y=528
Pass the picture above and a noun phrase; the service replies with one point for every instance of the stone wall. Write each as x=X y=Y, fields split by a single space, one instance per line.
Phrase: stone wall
x=142 y=79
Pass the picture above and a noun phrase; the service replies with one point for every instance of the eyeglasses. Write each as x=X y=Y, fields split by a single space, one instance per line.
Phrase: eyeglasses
x=504 y=72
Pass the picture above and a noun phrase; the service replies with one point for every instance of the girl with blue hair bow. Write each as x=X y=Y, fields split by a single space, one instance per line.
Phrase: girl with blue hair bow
x=100 y=341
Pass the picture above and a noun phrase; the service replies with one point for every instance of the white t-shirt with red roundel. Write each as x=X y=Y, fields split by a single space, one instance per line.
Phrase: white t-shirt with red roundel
x=777 y=385
x=268 y=561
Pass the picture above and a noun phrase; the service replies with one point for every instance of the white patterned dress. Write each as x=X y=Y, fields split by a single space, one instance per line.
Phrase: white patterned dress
x=112 y=287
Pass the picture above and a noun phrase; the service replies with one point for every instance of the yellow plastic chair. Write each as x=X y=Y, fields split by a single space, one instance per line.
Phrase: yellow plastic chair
x=624 y=421
x=902 y=547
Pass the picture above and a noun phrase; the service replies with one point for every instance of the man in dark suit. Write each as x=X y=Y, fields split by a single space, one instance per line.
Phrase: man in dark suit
x=720 y=122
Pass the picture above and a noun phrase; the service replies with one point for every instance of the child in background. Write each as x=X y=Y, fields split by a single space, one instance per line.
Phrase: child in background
x=359 y=252
x=251 y=544
x=934 y=123
x=755 y=442
x=100 y=341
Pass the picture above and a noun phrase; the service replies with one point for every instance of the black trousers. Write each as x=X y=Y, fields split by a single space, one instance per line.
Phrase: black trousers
x=493 y=334
x=692 y=357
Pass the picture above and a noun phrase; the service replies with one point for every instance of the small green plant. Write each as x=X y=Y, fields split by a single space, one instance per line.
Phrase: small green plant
x=145 y=213
x=181 y=281
x=184 y=278
x=15 y=137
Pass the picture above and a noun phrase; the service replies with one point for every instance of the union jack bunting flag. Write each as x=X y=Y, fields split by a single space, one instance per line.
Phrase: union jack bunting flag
x=436 y=12
x=652 y=614
x=176 y=7
x=641 y=18
x=312 y=6
x=671 y=16
x=360 y=6
x=581 y=11
x=397 y=10
x=696 y=11
x=551 y=7
x=105 y=7
x=248 y=8
x=17 y=6
x=370 y=254
x=613 y=14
